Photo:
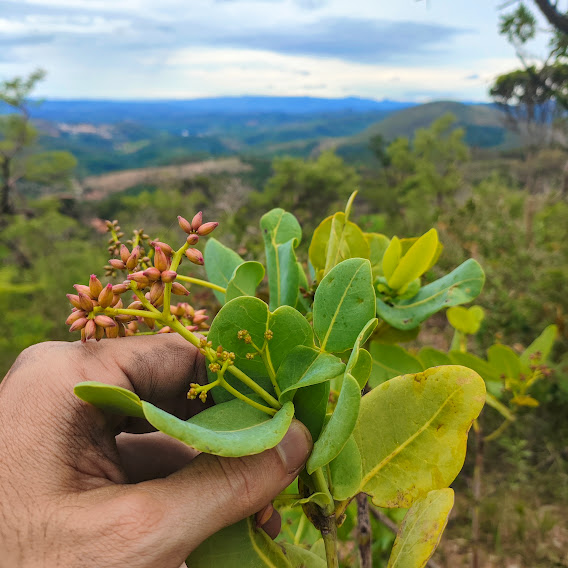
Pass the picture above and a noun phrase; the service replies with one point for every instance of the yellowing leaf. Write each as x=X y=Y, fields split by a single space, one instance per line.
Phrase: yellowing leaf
x=464 y=319
x=421 y=530
x=415 y=262
x=524 y=400
x=421 y=421
x=391 y=258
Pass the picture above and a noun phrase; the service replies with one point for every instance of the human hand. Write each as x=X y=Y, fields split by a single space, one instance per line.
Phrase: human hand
x=76 y=492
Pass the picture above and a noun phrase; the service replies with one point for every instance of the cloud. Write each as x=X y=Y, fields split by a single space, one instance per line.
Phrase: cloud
x=472 y=77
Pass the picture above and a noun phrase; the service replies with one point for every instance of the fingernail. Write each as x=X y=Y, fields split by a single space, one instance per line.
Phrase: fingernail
x=263 y=516
x=295 y=447
x=273 y=525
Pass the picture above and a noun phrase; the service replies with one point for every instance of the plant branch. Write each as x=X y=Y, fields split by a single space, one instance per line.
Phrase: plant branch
x=246 y=399
x=127 y=312
x=551 y=13
x=203 y=283
x=245 y=379
x=364 y=532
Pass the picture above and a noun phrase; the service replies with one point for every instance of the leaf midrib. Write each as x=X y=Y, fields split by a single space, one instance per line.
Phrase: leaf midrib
x=406 y=443
x=332 y=322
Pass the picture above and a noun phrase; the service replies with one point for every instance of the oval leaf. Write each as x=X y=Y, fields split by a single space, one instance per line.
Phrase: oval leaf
x=422 y=422
x=421 y=530
x=391 y=361
x=231 y=429
x=542 y=344
x=345 y=472
x=340 y=426
x=343 y=304
x=391 y=258
x=110 y=398
x=430 y=357
x=505 y=361
x=460 y=286
x=220 y=263
x=244 y=281
x=415 y=262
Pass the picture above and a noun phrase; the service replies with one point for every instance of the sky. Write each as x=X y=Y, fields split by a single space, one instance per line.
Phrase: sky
x=404 y=50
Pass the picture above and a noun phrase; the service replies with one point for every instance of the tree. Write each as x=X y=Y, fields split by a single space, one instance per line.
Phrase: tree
x=20 y=158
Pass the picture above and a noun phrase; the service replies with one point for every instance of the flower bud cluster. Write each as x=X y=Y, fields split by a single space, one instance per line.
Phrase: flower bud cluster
x=189 y=317
x=95 y=325
x=195 y=228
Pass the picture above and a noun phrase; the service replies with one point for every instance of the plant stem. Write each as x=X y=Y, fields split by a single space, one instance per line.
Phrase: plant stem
x=496 y=433
x=476 y=490
x=300 y=530
x=245 y=379
x=246 y=399
x=176 y=259
x=185 y=333
x=127 y=312
x=265 y=356
x=364 y=533
x=143 y=299
x=327 y=524
x=203 y=283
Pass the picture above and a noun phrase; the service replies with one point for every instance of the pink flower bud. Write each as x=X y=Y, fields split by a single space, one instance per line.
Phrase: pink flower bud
x=192 y=239
x=192 y=327
x=117 y=303
x=90 y=329
x=150 y=322
x=124 y=253
x=166 y=329
x=74 y=299
x=118 y=264
x=104 y=321
x=207 y=228
x=184 y=224
x=132 y=260
x=197 y=221
x=189 y=310
x=179 y=289
x=112 y=332
x=83 y=289
x=83 y=336
x=136 y=305
x=78 y=324
x=85 y=302
x=168 y=276
x=199 y=318
x=156 y=290
x=99 y=333
x=95 y=286
x=106 y=296
x=152 y=273
x=160 y=259
x=194 y=256
x=139 y=277
x=74 y=316
x=124 y=318
x=167 y=249
x=120 y=288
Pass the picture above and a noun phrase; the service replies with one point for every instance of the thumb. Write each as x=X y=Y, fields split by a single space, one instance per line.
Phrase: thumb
x=214 y=492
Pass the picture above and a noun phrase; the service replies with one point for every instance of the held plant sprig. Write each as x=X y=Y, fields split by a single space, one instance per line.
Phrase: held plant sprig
x=302 y=355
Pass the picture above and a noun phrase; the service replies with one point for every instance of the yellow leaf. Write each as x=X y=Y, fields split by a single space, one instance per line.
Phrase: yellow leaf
x=391 y=257
x=415 y=262
x=524 y=400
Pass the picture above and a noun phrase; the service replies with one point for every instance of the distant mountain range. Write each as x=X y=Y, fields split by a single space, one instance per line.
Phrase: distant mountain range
x=115 y=135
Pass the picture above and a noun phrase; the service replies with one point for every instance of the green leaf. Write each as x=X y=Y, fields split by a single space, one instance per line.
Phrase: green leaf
x=282 y=234
x=489 y=374
x=505 y=361
x=301 y=558
x=302 y=304
x=345 y=472
x=110 y=398
x=391 y=361
x=244 y=313
x=238 y=546
x=304 y=367
x=360 y=363
x=378 y=244
x=340 y=426
x=246 y=277
x=542 y=344
x=460 y=286
x=430 y=357
x=310 y=405
x=290 y=329
x=391 y=258
x=466 y=320
x=343 y=304
x=388 y=334
x=231 y=429
x=423 y=421
x=363 y=368
x=421 y=530
x=220 y=263
x=415 y=262
x=335 y=240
